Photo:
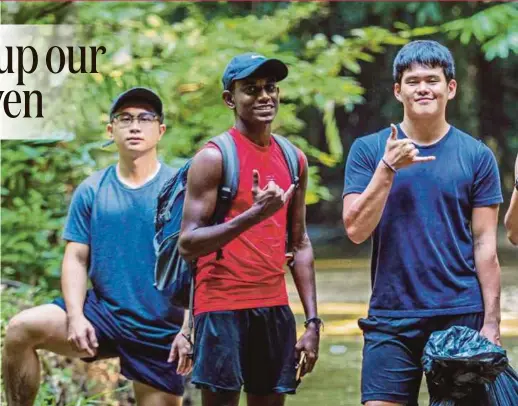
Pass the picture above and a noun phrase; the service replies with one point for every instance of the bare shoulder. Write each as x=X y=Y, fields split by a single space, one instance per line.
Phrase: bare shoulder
x=207 y=167
x=209 y=155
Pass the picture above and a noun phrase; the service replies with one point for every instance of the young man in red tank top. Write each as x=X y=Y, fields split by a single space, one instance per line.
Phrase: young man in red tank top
x=244 y=329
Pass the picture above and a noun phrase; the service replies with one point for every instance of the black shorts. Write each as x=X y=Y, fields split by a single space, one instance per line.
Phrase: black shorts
x=250 y=347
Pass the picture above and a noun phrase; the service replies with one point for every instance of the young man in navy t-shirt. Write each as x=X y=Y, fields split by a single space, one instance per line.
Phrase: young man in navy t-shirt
x=428 y=194
x=109 y=233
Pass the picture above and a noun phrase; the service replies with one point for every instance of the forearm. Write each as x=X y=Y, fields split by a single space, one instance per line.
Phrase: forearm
x=185 y=326
x=303 y=272
x=511 y=219
x=204 y=240
x=364 y=214
x=488 y=273
x=74 y=281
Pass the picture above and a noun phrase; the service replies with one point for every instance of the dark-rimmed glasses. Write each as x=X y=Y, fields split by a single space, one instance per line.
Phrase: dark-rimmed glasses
x=144 y=119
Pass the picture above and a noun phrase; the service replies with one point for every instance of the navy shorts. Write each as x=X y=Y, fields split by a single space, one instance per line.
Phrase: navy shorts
x=139 y=360
x=391 y=368
x=250 y=347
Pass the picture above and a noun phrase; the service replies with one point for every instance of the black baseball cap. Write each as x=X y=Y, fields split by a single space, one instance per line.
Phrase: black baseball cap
x=245 y=65
x=138 y=94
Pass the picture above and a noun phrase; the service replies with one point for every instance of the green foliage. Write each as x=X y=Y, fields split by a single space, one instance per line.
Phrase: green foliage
x=37 y=181
x=496 y=28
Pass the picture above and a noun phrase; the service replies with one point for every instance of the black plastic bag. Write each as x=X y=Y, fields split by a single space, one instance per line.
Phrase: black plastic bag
x=504 y=390
x=463 y=368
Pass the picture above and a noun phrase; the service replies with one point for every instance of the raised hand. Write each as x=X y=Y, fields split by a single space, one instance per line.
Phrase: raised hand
x=402 y=153
x=271 y=198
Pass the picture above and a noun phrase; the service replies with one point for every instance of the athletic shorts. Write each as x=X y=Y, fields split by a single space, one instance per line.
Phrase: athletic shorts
x=139 y=361
x=391 y=368
x=250 y=347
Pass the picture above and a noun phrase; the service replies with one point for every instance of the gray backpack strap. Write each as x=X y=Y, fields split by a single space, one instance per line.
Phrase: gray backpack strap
x=292 y=160
x=291 y=156
x=230 y=182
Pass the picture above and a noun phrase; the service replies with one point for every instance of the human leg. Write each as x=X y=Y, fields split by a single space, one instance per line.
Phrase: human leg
x=42 y=327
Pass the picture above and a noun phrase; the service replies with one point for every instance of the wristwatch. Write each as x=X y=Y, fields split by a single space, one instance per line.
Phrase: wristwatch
x=317 y=321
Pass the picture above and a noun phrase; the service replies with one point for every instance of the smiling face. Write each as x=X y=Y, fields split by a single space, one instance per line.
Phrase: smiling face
x=255 y=100
x=136 y=129
x=424 y=91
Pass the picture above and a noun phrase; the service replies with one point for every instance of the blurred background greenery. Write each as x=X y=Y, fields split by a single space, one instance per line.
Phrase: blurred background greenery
x=339 y=88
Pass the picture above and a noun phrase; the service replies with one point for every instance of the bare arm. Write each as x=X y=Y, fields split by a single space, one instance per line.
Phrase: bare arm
x=484 y=229
x=197 y=237
x=303 y=271
x=74 y=277
x=511 y=217
x=362 y=212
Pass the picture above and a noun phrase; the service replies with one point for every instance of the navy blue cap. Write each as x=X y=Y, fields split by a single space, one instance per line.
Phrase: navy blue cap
x=138 y=94
x=244 y=65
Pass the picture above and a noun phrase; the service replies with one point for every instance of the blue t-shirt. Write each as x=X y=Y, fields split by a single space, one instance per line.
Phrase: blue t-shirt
x=117 y=222
x=422 y=253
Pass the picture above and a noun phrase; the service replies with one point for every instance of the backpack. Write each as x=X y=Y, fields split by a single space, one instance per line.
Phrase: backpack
x=172 y=273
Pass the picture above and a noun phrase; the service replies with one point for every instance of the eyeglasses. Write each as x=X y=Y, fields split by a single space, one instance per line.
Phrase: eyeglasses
x=255 y=90
x=144 y=119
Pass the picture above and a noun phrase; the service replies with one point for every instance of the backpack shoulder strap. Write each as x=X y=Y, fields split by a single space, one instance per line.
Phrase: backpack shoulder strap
x=228 y=149
x=230 y=180
x=292 y=159
x=291 y=156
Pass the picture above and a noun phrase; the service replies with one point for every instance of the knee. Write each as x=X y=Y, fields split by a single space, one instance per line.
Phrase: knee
x=20 y=332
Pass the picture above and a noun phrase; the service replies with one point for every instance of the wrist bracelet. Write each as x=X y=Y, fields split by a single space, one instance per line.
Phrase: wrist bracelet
x=388 y=165
x=317 y=320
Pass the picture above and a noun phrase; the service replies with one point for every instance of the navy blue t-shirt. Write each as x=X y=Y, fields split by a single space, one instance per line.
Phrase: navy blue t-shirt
x=117 y=222
x=422 y=253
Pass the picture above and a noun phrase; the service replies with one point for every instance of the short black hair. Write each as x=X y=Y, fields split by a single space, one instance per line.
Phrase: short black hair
x=423 y=52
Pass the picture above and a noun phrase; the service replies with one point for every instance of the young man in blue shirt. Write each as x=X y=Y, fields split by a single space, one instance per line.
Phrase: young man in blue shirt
x=428 y=195
x=109 y=233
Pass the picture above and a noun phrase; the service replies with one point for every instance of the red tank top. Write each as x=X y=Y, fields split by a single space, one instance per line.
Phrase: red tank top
x=251 y=272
